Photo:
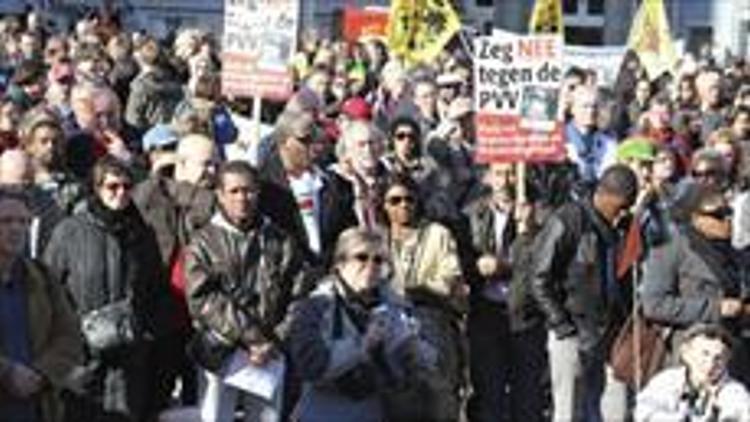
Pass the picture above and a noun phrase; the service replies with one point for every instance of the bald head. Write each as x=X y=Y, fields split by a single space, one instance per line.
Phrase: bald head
x=196 y=160
x=15 y=168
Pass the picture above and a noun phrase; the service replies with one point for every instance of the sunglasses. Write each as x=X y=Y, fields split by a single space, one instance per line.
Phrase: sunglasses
x=705 y=174
x=364 y=258
x=114 y=187
x=405 y=135
x=721 y=213
x=398 y=200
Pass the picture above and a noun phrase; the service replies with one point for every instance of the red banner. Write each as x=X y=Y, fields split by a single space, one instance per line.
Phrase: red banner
x=359 y=23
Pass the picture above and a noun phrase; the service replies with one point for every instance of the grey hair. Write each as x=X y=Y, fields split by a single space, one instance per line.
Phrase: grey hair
x=712 y=157
x=349 y=132
x=349 y=238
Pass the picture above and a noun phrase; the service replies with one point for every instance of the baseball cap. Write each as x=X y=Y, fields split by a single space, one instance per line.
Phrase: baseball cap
x=357 y=108
x=636 y=148
x=159 y=136
x=450 y=78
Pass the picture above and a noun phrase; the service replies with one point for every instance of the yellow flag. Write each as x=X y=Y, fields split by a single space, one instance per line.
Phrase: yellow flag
x=419 y=29
x=400 y=26
x=651 y=40
x=546 y=18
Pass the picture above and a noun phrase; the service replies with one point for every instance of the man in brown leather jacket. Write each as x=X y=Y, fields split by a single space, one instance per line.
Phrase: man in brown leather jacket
x=242 y=272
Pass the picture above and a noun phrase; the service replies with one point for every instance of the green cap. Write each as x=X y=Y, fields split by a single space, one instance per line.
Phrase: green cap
x=636 y=148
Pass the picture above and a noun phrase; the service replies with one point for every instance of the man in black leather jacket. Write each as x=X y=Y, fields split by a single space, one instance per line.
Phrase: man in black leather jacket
x=573 y=280
x=506 y=331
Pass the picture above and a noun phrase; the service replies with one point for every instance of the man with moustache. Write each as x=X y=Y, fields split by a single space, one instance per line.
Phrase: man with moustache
x=40 y=343
x=242 y=273
x=506 y=335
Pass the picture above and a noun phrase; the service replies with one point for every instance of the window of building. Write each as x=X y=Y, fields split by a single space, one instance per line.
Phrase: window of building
x=699 y=37
x=584 y=35
x=596 y=7
x=485 y=3
x=570 y=7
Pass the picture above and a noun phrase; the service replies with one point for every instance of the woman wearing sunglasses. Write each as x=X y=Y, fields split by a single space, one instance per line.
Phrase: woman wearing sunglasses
x=108 y=259
x=699 y=277
x=426 y=271
x=353 y=340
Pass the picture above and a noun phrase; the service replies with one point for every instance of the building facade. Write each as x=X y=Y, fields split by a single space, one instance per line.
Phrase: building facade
x=725 y=24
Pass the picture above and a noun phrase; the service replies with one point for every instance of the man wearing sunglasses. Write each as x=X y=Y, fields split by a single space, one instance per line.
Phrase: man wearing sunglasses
x=309 y=203
x=698 y=277
x=709 y=168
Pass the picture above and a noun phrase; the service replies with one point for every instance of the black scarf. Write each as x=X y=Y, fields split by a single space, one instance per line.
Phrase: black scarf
x=721 y=259
x=124 y=223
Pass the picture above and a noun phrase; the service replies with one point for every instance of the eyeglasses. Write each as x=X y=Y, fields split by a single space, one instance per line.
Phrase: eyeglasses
x=405 y=135
x=398 y=200
x=721 y=213
x=364 y=257
x=115 y=186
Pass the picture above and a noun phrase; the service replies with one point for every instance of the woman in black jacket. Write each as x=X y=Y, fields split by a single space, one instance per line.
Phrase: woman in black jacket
x=108 y=260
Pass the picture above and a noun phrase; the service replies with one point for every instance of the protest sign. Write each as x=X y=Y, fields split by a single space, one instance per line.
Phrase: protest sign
x=364 y=23
x=605 y=61
x=258 y=43
x=517 y=80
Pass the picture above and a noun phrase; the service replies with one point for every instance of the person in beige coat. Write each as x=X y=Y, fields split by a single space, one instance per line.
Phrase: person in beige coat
x=40 y=343
x=427 y=272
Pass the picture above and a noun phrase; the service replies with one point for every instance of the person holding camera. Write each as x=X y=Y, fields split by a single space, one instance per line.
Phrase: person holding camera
x=353 y=341
x=698 y=389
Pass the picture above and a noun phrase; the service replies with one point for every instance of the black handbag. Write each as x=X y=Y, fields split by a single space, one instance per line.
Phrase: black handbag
x=111 y=326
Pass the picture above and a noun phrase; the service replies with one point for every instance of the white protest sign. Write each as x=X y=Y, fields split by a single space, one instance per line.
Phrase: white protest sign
x=517 y=87
x=258 y=43
x=604 y=60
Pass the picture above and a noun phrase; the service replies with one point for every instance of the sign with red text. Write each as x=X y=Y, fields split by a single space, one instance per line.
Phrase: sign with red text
x=258 y=43
x=517 y=88
x=364 y=23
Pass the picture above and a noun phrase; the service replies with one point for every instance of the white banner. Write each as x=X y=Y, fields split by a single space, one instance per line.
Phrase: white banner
x=605 y=60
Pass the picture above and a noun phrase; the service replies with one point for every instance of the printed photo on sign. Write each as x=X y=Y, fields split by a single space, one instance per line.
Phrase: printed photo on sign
x=539 y=108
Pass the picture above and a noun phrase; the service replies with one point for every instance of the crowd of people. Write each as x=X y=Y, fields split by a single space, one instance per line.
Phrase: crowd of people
x=146 y=241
